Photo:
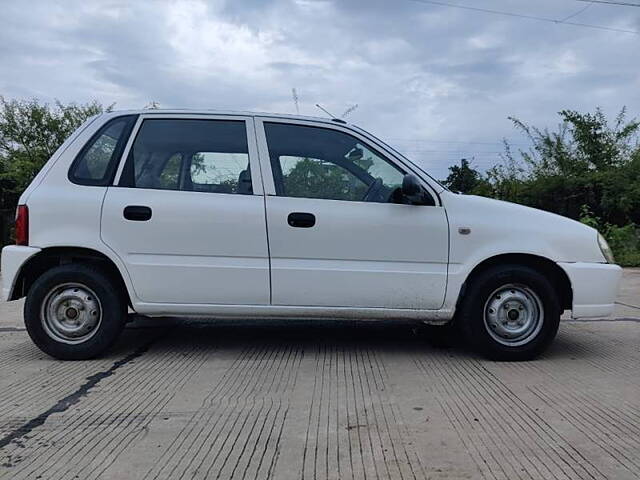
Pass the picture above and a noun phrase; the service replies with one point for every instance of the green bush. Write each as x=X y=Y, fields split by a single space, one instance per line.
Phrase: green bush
x=624 y=241
x=588 y=169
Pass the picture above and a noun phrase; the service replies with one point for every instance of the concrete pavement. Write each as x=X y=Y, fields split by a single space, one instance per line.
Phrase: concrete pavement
x=320 y=400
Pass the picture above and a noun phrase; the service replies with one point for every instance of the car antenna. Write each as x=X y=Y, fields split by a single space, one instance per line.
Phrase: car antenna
x=332 y=116
x=326 y=111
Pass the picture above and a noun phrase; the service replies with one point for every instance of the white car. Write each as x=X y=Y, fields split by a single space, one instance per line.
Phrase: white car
x=243 y=215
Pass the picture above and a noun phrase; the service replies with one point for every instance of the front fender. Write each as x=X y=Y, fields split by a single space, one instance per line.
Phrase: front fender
x=483 y=228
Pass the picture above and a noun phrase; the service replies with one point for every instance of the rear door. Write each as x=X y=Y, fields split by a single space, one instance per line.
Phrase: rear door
x=187 y=213
x=338 y=233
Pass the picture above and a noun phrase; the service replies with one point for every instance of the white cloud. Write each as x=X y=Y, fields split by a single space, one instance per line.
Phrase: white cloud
x=551 y=65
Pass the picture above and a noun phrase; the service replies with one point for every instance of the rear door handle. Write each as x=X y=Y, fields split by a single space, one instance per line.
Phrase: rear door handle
x=301 y=220
x=137 y=213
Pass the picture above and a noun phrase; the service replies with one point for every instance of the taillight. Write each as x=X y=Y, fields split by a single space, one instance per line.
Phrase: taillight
x=22 y=225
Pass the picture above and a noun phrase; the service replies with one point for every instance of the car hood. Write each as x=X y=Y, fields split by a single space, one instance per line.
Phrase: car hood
x=512 y=228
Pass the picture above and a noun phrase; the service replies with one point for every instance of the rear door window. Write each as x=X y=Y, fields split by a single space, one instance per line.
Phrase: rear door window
x=190 y=155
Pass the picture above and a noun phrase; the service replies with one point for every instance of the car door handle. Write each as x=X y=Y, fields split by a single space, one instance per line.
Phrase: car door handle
x=137 y=213
x=301 y=220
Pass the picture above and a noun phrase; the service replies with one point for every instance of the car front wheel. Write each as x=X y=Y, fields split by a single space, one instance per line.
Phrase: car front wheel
x=74 y=312
x=510 y=312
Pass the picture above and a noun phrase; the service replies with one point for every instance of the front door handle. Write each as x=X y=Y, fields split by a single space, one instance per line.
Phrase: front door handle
x=301 y=220
x=137 y=213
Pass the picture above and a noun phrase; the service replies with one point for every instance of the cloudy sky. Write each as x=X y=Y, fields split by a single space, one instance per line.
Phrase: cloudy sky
x=436 y=81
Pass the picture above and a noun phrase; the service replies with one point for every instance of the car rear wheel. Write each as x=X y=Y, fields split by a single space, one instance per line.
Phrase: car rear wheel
x=510 y=312
x=74 y=312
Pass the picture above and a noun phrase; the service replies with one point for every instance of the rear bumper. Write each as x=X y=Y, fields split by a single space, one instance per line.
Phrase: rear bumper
x=595 y=287
x=13 y=257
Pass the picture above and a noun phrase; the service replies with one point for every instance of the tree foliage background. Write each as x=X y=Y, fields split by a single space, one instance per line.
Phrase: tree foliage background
x=587 y=169
x=30 y=132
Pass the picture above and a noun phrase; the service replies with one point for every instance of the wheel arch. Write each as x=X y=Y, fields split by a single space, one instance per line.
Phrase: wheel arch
x=51 y=257
x=545 y=266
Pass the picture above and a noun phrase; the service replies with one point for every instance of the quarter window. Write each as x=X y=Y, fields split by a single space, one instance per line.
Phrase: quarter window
x=97 y=161
x=315 y=162
x=192 y=155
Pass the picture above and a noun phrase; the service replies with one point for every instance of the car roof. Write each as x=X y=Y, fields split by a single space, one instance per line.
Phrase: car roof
x=186 y=111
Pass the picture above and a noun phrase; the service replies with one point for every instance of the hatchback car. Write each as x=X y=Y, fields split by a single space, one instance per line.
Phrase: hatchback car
x=242 y=215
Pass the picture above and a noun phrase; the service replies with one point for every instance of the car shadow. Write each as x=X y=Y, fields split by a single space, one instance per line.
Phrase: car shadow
x=573 y=344
x=398 y=336
x=385 y=335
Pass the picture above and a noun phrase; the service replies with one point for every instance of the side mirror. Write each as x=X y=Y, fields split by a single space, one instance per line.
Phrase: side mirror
x=414 y=192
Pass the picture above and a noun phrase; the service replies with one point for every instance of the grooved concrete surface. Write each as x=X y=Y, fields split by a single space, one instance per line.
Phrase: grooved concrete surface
x=322 y=400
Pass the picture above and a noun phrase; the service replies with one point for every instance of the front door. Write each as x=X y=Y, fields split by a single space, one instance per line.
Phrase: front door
x=339 y=234
x=187 y=214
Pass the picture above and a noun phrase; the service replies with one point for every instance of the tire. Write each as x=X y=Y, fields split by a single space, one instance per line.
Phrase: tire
x=75 y=312
x=488 y=315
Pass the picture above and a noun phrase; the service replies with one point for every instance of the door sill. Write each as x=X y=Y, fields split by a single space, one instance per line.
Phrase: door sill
x=283 y=312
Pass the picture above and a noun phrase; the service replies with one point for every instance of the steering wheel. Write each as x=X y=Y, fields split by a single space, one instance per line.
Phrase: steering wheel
x=373 y=191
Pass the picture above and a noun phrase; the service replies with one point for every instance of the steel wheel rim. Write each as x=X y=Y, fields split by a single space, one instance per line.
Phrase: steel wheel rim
x=71 y=313
x=513 y=315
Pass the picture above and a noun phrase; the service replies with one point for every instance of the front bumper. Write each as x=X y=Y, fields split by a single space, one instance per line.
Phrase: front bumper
x=13 y=258
x=595 y=287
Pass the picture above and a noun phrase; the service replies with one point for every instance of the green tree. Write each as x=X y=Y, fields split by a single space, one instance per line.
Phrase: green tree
x=463 y=178
x=30 y=132
x=586 y=161
x=587 y=169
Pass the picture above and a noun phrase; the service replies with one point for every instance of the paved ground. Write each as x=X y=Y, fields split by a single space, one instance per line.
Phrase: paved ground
x=317 y=400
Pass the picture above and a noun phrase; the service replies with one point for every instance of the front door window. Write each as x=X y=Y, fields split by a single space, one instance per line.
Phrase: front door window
x=313 y=162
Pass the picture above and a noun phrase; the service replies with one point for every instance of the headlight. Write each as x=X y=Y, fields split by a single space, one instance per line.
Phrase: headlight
x=605 y=249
